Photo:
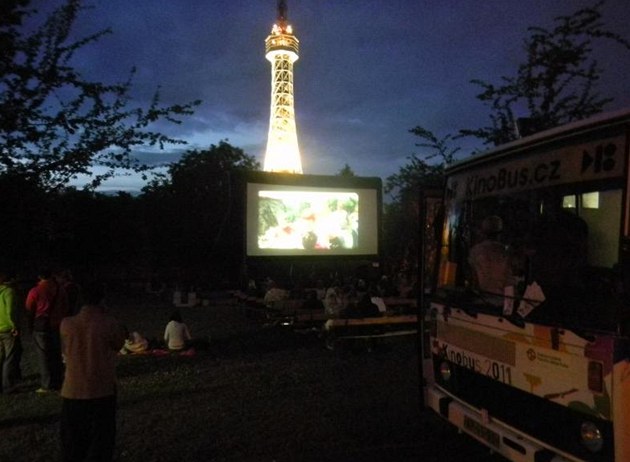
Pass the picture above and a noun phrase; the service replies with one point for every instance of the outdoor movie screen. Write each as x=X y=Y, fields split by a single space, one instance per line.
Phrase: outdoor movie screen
x=285 y=220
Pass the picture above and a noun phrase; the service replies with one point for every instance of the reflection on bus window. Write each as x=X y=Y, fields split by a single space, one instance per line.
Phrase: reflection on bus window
x=569 y=202
x=590 y=200
x=604 y=224
x=565 y=241
x=491 y=262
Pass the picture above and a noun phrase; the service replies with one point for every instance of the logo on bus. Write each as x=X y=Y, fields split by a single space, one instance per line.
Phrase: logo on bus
x=531 y=354
x=587 y=161
x=602 y=160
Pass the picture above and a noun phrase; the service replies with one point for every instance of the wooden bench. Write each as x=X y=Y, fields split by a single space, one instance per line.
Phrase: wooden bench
x=290 y=313
x=337 y=330
x=401 y=305
x=309 y=319
x=287 y=306
x=279 y=312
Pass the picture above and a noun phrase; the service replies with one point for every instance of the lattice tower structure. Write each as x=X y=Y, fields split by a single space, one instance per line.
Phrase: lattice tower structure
x=282 y=47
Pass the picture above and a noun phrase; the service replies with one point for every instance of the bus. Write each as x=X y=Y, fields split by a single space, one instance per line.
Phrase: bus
x=526 y=295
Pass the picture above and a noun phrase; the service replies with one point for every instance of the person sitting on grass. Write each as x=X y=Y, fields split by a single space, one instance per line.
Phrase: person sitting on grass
x=135 y=344
x=176 y=335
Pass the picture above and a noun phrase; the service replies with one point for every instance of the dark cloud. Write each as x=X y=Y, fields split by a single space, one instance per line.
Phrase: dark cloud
x=159 y=158
x=368 y=70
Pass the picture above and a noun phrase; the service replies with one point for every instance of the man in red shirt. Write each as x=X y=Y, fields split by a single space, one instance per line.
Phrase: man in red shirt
x=47 y=305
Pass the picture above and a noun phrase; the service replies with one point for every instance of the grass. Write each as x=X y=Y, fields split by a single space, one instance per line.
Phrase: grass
x=255 y=394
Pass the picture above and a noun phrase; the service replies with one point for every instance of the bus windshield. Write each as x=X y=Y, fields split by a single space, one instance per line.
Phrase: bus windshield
x=549 y=255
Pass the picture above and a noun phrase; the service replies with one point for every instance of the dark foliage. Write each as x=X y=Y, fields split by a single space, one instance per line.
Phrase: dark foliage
x=401 y=217
x=54 y=123
x=556 y=84
x=193 y=210
x=188 y=222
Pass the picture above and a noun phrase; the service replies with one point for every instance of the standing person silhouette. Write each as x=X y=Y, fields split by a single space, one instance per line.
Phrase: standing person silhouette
x=9 y=340
x=91 y=340
x=47 y=305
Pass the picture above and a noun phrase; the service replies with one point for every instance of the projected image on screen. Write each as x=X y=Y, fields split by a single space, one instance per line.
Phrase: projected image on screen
x=308 y=220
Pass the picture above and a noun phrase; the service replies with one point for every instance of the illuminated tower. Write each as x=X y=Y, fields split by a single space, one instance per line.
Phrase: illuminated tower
x=281 y=47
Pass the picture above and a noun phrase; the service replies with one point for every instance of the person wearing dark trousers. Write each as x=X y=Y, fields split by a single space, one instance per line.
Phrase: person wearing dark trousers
x=9 y=340
x=47 y=305
x=90 y=342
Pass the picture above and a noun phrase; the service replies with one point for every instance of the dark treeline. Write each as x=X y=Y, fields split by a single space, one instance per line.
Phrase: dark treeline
x=185 y=227
x=116 y=236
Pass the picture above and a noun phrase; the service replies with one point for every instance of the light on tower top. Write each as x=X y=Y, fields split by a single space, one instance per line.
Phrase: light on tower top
x=281 y=26
x=282 y=38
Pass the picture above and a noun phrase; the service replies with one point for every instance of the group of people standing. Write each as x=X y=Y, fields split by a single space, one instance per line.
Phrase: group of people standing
x=46 y=305
x=76 y=343
x=54 y=298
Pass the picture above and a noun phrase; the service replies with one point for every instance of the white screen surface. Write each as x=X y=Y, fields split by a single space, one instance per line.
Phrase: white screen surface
x=293 y=220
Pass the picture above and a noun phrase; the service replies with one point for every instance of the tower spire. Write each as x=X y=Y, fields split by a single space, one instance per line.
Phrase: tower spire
x=282 y=11
x=282 y=47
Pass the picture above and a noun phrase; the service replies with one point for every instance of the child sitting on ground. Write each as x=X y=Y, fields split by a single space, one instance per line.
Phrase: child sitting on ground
x=135 y=344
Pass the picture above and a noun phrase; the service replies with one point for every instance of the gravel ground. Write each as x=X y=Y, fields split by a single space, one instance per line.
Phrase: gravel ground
x=292 y=399
x=259 y=393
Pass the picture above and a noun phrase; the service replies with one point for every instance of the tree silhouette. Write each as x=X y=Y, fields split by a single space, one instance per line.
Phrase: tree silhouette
x=55 y=124
x=401 y=217
x=346 y=171
x=556 y=84
x=190 y=211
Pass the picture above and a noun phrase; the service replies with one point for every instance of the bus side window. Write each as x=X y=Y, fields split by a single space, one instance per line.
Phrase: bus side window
x=601 y=210
x=560 y=241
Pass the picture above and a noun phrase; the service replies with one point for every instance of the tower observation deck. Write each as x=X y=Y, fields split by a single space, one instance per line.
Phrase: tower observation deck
x=281 y=47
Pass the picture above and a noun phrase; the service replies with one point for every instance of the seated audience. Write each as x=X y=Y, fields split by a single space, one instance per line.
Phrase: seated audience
x=312 y=302
x=379 y=302
x=364 y=308
x=274 y=294
x=333 y=302
x=320 y=289
x=176 y=334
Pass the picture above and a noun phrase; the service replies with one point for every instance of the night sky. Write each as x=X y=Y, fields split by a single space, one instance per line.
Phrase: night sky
x=369 y=70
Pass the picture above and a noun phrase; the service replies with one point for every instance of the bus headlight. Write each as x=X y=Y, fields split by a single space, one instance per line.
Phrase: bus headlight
x=591 y=437
x=445 y=371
